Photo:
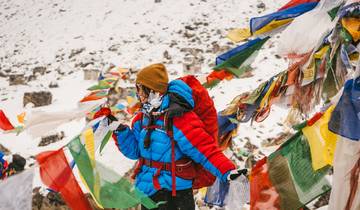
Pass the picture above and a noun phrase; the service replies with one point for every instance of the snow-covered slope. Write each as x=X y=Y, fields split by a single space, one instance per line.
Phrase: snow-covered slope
x=125 y=33
x=67 y=36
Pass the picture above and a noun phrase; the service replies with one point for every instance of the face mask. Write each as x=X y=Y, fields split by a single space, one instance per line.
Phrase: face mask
x=154 y=102
x=155 y=99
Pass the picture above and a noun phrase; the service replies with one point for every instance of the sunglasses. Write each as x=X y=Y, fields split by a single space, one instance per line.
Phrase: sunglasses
x=141 y=91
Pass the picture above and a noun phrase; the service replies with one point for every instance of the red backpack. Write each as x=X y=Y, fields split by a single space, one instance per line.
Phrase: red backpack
x=205 y=109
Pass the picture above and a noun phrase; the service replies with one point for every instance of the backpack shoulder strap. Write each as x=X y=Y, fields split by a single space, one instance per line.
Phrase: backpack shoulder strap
x=168 y=123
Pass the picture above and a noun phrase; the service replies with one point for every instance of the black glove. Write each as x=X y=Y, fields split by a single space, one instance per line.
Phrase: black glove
x=234 y=174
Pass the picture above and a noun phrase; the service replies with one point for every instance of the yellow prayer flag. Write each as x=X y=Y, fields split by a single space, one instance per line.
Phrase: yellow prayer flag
x=21 y=117
x=87 y=187
x=309 y=73
x=88 y=136
x=131 y=100
x=265 y=100
x=352 y=25
x=239 y=34
x=320 y=53
x=321 y=140
x=354 y=56
x=273 y=25
x=122 y=70
x=329 y=137
x=202 y=191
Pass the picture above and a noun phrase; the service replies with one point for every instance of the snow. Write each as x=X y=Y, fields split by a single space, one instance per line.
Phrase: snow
x=44 y=33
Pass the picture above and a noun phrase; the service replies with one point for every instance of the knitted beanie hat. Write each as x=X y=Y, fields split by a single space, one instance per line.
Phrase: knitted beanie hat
x=154 y=77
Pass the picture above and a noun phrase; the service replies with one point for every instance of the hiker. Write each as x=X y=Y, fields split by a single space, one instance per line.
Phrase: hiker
x=3 y=166
x=11 y=164
x=167 y=129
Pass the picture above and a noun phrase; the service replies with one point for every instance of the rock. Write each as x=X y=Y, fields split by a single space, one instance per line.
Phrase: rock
x=52 y=200
x=188 y=34
x=191 y=28
x=173 y=43
x=191 y=65
x=261 y=5
x=75 y=52
x=250 y=161
x=40 y=98
x=53 y=84
x=277 y=56
x=167 y=55
x=60 y=72
x=114 y=47
x=17 y=79
x=51 y=139
x=323 y=200
x=84 y=64
x=281 y=138
x=39 y=70
x=31 y=78
x=215 y=47
x=2 y=74
x=250 y=146
x=157 y=1
x=91 y=74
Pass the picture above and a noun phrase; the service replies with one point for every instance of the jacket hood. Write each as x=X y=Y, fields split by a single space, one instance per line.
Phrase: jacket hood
x=182 y=92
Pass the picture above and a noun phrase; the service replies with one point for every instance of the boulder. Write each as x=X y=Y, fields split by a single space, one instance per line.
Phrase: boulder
x=40 y=98
x=39 y=70
x=53 y=84
x=91 y=74
x=17 y=79
x=46 y=140
x=192 y=65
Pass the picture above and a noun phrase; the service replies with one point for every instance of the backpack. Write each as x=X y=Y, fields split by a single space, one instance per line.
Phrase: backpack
x=205 y=110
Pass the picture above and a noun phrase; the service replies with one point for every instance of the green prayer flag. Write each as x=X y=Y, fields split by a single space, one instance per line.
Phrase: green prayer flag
x=109 y=189
x=333 y=12
x=281 y=179
x=330 y=86
x=309 y=184
x=251 y=99
x=105 y=140
x=300 y=125
x=211 y=84
x=102 y=85
x=234 y=63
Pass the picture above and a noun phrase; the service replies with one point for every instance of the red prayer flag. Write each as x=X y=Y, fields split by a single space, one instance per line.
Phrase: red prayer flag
x=263 y=194
x=218 y=75
x=294 y=3
x=4 y=122
x=92 y=97
x=104 y=111
x=314 y=119
x=56 y=173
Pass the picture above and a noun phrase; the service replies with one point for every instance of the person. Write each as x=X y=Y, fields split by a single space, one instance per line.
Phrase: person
x=11 y=164
x=149 y=140
x=3 y=166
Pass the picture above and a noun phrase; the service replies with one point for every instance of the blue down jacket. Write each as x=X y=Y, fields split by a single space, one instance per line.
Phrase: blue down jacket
x=191 y=141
